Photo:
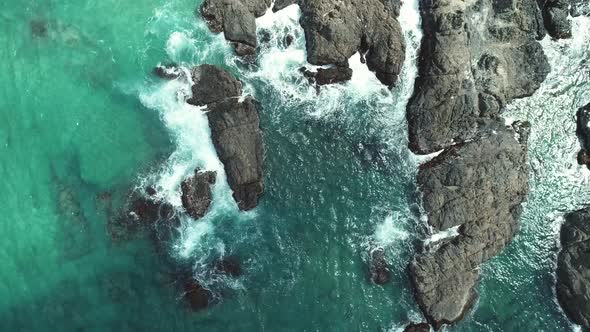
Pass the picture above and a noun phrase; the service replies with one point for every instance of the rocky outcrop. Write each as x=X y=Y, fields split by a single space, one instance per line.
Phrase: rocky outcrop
x=235 y=130
x=583 y=132
x=555 y=16
x=379 y=272
x=478 y=185
x=196 y=193
x=168 y=72
x=417 y=327
x=476 y=57
x=335 y=30
x=573 y=267
x=236 y=19
x=325 y=76
x=281 y=4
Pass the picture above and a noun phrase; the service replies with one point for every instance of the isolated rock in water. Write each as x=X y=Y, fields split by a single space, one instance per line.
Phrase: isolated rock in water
x=235 y=128
x=235 y=18
x=478 y=185
x=555 y=16
x=417 y=327
x=325 y=76
x=379 y=270
x=168 y=72
x=335 y=30
x=196 y=193
x=235 y=131
x=583 y=132
x=475 y=58
x=196 y=296
x=573 y=267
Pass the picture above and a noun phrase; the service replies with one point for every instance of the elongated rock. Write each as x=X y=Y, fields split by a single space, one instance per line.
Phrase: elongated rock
x=196 y=193
x=235 y=131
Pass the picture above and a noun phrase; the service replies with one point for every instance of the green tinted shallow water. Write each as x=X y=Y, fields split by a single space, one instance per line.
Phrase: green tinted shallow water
x=75 y=137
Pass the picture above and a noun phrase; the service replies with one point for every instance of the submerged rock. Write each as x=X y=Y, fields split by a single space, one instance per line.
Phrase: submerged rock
x=196 y=193
x=39 y=28
x=379 y=272
x=475 y=58
x=573 y=267
x=229 y=265
x=235 y=131
x=478 y=185
x=197 y=297
x=335 y=30
x=168 y=72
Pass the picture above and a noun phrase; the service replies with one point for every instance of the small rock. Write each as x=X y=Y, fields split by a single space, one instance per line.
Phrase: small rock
x=197 y=297
x=196 y=193
x=328 y=75
x=583 y=157
x=379 y=270
x=168 y=72
x=417 y=327
x=289 y=40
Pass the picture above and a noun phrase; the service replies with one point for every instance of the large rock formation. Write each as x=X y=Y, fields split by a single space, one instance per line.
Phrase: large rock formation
x=236 y=19
x=335 y=30
x=235 y=129
x=476 y=56
x=478 y=185
x=196 y=193
x=573 y=267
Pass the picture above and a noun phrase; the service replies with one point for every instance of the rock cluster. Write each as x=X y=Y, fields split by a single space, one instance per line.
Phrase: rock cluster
x=573 y=267
x=476 y=56
x=335 y=30
x=235 y=130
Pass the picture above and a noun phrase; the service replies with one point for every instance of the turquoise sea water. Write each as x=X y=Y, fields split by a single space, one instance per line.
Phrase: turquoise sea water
x=84 y=121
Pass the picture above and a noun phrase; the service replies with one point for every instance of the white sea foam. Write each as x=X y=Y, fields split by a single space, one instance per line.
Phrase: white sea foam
x=442 y=235
x=391 y=231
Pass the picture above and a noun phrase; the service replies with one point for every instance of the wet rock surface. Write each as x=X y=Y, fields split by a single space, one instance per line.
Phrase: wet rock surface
x=417 y=327
x=555 y=16
x=235 y=130
x=583 y=132
x=325 y=76
x=236 y=19
x=335 y=30
x=475 y=58
x=196 y=193
x=573 y=267
x=379 y=272
x=478 y=185
x=168 y=72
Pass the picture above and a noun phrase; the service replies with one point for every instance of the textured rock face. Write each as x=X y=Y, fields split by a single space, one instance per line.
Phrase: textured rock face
x=478 y=185
x=196 y=193
x=573 y=267
x=235 y=130
x=555 y=13
x=476 y=56
x=335 y=30
x=583 y=132
x=379 y=270
x=236 y=19
x=419 y=327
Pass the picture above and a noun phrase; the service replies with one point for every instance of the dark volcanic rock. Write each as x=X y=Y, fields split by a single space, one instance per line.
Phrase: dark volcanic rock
x=235 y=127
x=555 y=13
x=328 y=75
x=379 y=270
x=212 y=84
x=583 y=132
x=236 y=19
x=478 y=185
x=573 y=267
x=335 y=30
x=196 y=193
x=235 y=130
x=474 y=59
x=196 y=296
x=417 y=327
